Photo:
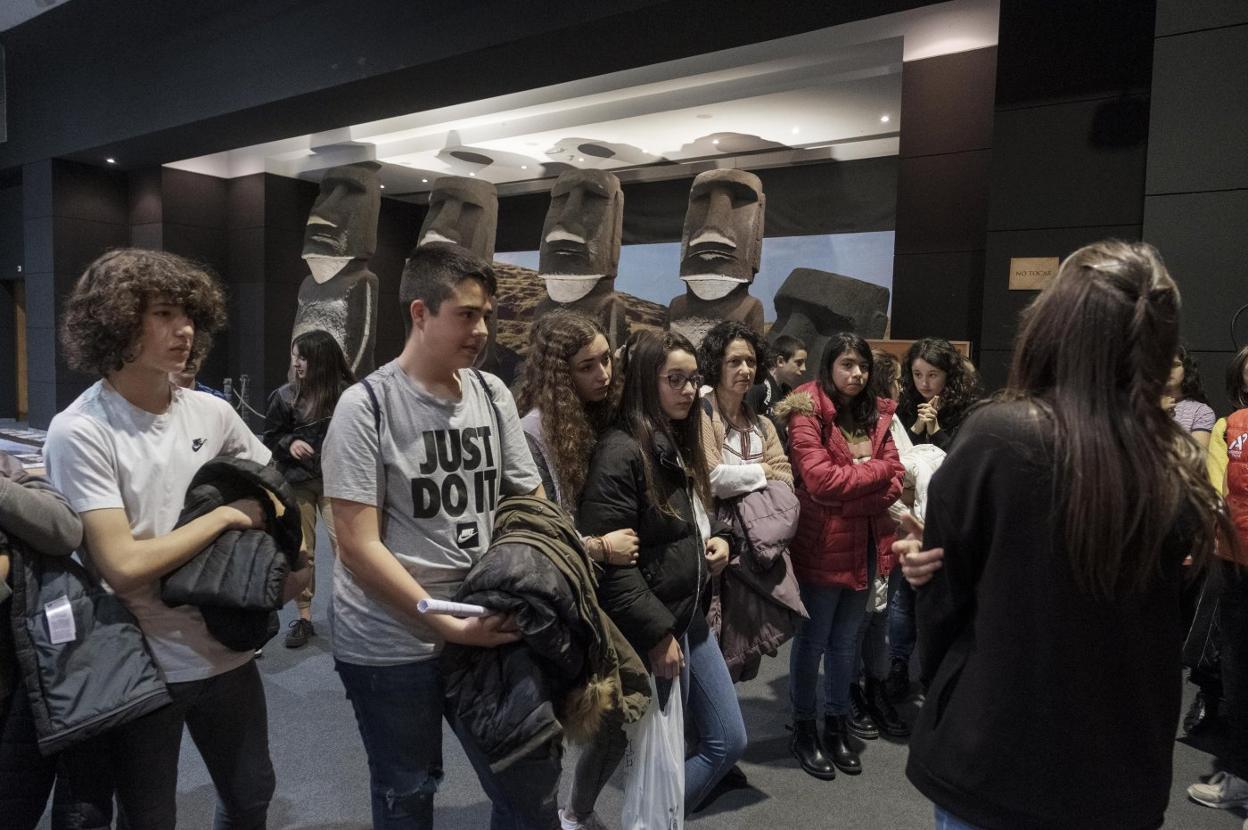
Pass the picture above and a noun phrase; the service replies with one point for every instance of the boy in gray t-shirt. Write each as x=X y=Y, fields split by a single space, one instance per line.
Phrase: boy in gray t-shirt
x=416 y=458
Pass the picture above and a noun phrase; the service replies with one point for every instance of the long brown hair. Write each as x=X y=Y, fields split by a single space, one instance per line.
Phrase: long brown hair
x=641 y=414
x=325 y=378
x=570 y=427
x=1093 y=354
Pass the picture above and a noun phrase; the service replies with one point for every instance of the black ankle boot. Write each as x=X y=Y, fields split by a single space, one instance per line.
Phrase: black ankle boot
x=860 y=722
x=882 y=711
x=898 y=683
x=805 y=747
x=1202 y=714
x=836 y=744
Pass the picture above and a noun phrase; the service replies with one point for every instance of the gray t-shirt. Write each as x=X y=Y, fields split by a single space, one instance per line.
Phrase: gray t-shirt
x=440 y=478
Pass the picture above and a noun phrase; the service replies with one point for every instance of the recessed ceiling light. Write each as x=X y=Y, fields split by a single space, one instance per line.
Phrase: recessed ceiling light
x=383 y=187
x=580 y=158
x=472 y=174
x=111 y=160
x=884 y=119
x=524 y=167
x=714 y=140
x=424 y=181
x=796 y=130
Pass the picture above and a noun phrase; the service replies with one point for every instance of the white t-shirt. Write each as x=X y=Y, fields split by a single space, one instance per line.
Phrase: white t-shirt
x=103 y=452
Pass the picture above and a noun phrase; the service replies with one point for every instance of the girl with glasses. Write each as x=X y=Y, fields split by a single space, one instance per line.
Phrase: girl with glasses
x=649 y=473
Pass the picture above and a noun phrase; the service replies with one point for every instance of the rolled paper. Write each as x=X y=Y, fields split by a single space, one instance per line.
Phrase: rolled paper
x=454 y=609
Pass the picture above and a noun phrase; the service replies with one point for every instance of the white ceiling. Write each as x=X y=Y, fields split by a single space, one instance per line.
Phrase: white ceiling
x=829 y=94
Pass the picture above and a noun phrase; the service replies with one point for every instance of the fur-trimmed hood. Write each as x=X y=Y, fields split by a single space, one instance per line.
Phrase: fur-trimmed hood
x=799 y=403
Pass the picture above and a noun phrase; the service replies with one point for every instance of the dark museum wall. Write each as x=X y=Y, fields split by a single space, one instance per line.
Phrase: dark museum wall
x=1070 y=138
x=942 y=196
x=1196 y=199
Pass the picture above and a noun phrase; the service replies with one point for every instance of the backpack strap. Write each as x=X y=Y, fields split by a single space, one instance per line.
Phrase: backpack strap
x=498 y=432
x=372 y=396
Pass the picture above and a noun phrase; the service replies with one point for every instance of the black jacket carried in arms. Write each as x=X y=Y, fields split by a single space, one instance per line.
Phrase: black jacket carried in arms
x=571 y=666
x=667 y=591
x=1036 y=690
x=238 y=579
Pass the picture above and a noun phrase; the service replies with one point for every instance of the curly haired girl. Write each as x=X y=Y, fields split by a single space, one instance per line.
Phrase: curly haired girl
x=567 y=397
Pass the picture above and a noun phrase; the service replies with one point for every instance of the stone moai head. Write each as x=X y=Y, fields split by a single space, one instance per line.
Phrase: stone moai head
x=581 y=234
x=722 y=243
x=343 y=223
x=464 y=211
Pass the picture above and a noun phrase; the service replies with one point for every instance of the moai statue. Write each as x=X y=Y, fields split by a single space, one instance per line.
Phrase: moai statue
x=340 y=295
x=580 y=250
x=813 y=305
x=464 y=211
x=720 y=250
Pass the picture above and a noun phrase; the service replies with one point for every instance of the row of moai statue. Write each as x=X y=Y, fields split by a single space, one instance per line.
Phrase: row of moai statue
x=579 y=255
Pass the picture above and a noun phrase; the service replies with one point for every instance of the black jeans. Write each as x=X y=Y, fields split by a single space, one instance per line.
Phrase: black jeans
x=228 y=721
x=1233 y=618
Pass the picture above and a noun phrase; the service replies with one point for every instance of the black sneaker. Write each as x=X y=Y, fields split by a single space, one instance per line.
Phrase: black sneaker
x=300 y=631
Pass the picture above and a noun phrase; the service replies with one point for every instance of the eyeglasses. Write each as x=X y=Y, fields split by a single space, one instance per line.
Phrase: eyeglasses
x=677 y=381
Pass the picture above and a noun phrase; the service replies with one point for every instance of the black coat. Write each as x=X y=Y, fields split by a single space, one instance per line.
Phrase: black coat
x=1037 y=691
x=667 y=591
x=283 y=427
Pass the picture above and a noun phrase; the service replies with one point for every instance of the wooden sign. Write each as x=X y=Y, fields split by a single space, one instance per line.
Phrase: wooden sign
x=1032 y=273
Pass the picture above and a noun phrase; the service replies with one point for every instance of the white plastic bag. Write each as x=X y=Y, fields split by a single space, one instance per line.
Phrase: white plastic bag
x=654 y=789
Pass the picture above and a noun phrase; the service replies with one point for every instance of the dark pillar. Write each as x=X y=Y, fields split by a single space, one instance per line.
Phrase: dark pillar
x=1196 y=203
x=1069 y=144
x=72 y=213
x=942 y=195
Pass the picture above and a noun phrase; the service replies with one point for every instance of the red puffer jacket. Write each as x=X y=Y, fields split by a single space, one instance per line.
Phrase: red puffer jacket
x=1237 y=474
x=843 y=504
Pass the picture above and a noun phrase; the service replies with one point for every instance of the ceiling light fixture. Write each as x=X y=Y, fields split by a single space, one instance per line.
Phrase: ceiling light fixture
x=884 y=119
x=472 y=174
x=383 y=187
x=524 y=167
x=424 y=181
x=580 y=158
x=714 y=140
x=111 y=160
x=795 y=130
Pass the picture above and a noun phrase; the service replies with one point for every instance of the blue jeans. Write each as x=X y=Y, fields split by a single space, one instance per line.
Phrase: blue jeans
x=399 y=711
x=901 y=629
x=831 y=633
x=948 y=821
x=710 y=703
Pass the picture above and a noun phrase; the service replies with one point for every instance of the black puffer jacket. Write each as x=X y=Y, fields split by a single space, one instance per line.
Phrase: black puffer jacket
x=572 y=665
x=668 y=589
x=237 y=580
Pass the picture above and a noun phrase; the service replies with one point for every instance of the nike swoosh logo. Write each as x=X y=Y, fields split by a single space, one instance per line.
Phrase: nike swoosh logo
x=466 y=534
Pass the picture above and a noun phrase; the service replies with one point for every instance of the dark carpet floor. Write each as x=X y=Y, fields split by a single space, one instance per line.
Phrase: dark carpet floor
x=322 y=774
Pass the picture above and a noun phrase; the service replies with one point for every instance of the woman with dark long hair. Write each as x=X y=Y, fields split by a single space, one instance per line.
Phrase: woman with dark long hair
x=1051 y=632
x=649 y=473
x=937 y=388
x=297 y=420
x=849 y=474
x=1185 y=397
x=567 y=396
